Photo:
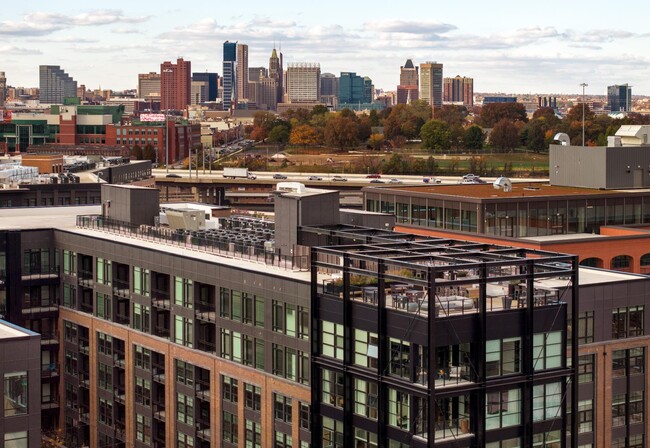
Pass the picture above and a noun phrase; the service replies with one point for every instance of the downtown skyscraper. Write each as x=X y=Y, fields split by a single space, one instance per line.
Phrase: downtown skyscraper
x=229 y=74
x=175 y=84
x=242 y=72
x=431 y=83
x=55 y=85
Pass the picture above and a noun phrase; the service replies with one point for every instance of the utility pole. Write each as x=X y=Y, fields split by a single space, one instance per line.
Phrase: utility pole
x=584 y=84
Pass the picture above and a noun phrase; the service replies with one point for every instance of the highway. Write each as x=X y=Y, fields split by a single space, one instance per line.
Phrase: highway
x=328 y=177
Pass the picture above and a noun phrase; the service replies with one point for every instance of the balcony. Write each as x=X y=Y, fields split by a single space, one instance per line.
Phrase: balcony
x=35 y=305
x=120 y=431
x=84 y=380
x=50 y=338
x=84 y=414
x=159 y=373
x=86 y=278
x=202 y=389
x=120 y=394
x=84 y=345
x=160 y=299
x=40 y=272
x=206 y=311
x=49 y=370
x=121 y=288
x=50 y=403
x=159 y=412
x=203 y=430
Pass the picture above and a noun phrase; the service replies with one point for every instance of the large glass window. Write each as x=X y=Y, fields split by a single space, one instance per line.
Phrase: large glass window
x=332 y=433
x=503 y=356
x=547 y=350
x=399 y=358
x=365 y=398
x=183 y=292
x=365 y=349
x=230 y=428
x=398 y=409
x=141 y=281
x=547 y=401
x=332 y=337
x=333 y=388
x=185 y=409
x=627 y=322
x=15 y=393
x=586 y=327
x=503 y=409
x=586 y=369
x=585 y=416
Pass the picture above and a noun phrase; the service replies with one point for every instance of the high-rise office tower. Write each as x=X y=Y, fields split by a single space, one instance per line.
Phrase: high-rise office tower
x=619 y=98
x=55 y=85
x=149 y=85
x=329 y=89
x=213 y=81
x=276 y=72
x=459 y=90
x=303 y=82
x=199 y=92
x=431 y=83
x=257 y=73
x=354 y=89
x=3 y=88
x=408 y=88
x=229 y=79
x=408 y=74
x=242 y=71
x=175 y=84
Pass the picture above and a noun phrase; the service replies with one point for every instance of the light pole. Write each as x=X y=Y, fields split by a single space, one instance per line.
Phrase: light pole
x=584 y=84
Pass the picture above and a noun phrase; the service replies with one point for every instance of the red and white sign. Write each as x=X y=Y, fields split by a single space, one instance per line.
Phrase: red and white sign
x=152 y=117
x=5 y=116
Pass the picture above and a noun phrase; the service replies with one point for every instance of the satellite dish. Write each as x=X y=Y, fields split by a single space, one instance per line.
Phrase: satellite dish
x=562 y=138
x=503 y=183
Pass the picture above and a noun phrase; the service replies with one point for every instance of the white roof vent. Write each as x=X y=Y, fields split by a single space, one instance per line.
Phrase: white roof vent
x=290 y=187
x=562 y=138
x=504 y=183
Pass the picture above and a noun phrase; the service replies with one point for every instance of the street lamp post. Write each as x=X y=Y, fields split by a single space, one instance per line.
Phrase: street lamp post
x=584 y=84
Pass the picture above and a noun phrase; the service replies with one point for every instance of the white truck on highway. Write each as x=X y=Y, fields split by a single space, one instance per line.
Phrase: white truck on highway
x=234 y=173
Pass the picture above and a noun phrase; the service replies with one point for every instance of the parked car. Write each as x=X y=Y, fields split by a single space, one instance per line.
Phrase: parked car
x=279 y=176
x=394 y=181
x=315 y=178
x=339 y=179
x=373 y=176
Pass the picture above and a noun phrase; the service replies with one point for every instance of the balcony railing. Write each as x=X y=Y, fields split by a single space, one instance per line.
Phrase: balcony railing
x=206 y=311
x=121 y=288
x=86 y=278
x=37 y=271
x=202 y=389
x=50 y=338
x=33 y=305
x=49 y=370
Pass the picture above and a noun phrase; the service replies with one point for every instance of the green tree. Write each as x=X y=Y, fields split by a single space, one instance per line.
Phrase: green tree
x=149 y=153
x=535 y=135
x=435 y=134
x=279 y=134
x=454 y=116
x=505 y=135
x=474 y=137
x=319 y=109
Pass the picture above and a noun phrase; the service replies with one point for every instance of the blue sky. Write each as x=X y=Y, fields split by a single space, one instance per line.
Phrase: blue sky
x=530 y=47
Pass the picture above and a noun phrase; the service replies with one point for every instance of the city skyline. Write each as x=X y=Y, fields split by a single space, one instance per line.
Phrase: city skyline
x=543 y=49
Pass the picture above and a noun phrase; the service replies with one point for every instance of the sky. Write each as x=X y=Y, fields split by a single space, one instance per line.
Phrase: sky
x=511 y=47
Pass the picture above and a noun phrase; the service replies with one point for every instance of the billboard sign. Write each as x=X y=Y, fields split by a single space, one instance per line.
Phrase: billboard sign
x=152 y=117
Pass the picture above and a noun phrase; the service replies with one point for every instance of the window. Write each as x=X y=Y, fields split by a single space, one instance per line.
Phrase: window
x=183 y=331
x=628 y=362
x=259 y=312
x=627 y=322
x=282 y=408
x=333 y=386
x=103 y=308
x=503 y=409
x=278 y=316
x=105 y=412
x=231 y=345
x=143 y=429
x=366 y=349
x=16 y=439
x=619 y=409
x=183 y=292
x=282 y=440
x=105 y=374
x=399 y=357
x=398 y=409
x=547 y=350
x=103 y=270
x=248 y=309
x=303 y=323
x=364 y=439
x=332 y=337
x=15 y=393
x=69 y=296
x=637 y=405
x=365 y=398
x=585 y=416
x=253 y=434
x=253 y=397
x=142 y=391
x=305 y=416
x=142 y=357
x=259 y=354
x=586 y=369
x=184 y=441
x=104 y=344
x=547 y=400
x=184 y=373
x=586 y=327
x=185 y=409
x=69 y=262
x=332 y=433
x=141 y=281
x=229 y=389
x=141 y=317
x=230 y=428
x=503 y=356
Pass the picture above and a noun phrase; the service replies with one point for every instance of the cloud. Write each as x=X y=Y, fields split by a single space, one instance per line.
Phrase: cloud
x=11 y=49
x=409 y=27
x=126 y=31
x=44 y=23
